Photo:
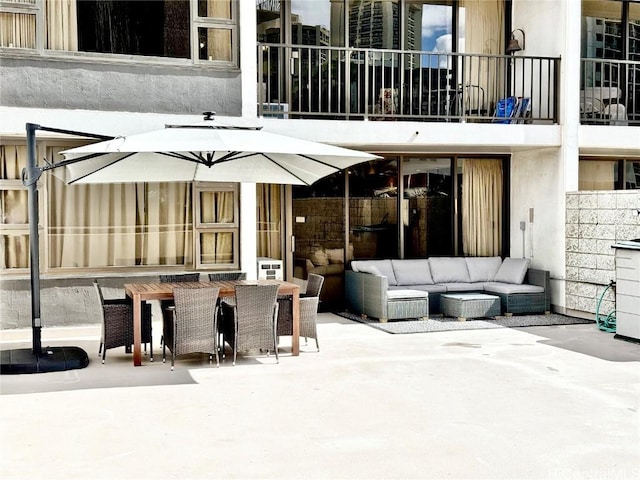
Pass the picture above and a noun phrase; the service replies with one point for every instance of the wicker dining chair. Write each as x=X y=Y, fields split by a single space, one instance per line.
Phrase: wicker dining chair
x=222 y=276
x=309 y=302
x=117 y=324
x=165 y=305
x=192 y=328
x=252 y=322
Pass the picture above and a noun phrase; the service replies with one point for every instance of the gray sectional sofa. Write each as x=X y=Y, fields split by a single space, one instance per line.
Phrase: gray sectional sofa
x=395 y=289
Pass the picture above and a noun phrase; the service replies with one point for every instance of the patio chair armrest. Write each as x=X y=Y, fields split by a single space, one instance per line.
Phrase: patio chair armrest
x=366 y=293
x=541 y=278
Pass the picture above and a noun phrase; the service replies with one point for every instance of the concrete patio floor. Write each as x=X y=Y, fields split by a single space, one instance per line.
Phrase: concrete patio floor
x=529 y=403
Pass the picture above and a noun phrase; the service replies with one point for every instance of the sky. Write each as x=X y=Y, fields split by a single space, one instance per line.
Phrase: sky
x=436 y=22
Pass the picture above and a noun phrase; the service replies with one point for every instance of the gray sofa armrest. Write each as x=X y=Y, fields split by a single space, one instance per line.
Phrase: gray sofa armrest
x=366 y=293
x=540 y=278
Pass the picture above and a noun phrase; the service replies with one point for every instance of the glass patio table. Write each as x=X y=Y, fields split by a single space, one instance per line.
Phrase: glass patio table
x=140 y=292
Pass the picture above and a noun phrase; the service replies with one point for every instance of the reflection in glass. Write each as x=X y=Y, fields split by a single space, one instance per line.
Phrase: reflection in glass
x=318 y=215
x=426 y=207
x=632 y=175
x=373 y=220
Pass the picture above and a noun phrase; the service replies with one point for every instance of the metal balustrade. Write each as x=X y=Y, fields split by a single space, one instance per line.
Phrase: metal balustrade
x=610 y=92
x=304 y=81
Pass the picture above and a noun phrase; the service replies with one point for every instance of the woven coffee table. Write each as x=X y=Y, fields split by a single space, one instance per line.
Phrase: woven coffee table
x=469 y=305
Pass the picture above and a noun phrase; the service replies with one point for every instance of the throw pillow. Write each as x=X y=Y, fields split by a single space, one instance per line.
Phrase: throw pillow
x=512 y=270
x=319 y=257
x=335 y=255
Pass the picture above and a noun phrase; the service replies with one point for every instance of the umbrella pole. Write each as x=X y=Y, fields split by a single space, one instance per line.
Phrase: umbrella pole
x=32 y=177
x=53 y=359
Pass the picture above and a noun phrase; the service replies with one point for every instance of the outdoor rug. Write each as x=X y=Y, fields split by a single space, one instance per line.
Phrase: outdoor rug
x=449 y=323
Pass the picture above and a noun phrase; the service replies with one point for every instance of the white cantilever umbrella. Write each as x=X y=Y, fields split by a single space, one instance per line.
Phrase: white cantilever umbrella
x=209 y=151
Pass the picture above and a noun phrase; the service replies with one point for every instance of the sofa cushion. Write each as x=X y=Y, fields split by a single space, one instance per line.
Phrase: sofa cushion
x=319 y=257
x=406 y=294
x=511 y=288
x=483 y=269
x=385 y=267
x=412 y=272
x=449 y=269
x=512 y=270
x=433 y=288
x=463 y=287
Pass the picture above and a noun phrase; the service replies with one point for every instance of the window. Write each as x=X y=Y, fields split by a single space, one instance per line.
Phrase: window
x=216 y=33
x=217 y=226
x=116 y=225
x=14 y=241
x=269 y=221
x=18 y=24
x=608 y=174
x=200 y=30
x=153 y=28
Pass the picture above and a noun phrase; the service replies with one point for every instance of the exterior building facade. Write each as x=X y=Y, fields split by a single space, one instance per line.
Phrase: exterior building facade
x=498 y=136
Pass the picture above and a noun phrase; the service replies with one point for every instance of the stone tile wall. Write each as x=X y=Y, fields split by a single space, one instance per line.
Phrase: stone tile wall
x=594 y=222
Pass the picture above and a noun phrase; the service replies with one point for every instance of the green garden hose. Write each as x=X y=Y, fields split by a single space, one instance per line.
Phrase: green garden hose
x=608 y=323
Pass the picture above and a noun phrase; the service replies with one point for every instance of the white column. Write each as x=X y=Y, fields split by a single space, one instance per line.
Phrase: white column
x=248 y=58
x=248 y=219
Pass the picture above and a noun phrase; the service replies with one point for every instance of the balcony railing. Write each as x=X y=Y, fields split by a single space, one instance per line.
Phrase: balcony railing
x=610 y=92
x=302 y=81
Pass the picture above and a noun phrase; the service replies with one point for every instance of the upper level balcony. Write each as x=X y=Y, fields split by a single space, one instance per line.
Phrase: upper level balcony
x=321 y=82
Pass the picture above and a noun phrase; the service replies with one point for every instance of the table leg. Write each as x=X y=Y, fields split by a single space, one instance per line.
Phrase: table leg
x=295 y=339
x=137 y=331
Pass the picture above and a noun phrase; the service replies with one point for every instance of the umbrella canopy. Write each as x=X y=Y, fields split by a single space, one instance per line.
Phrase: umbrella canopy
x=209 y=151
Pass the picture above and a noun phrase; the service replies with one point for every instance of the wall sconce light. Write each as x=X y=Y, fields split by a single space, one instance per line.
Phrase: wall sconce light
x=514 y=45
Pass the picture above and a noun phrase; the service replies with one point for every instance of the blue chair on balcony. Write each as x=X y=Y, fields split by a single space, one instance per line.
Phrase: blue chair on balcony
x=512 y=110
x=505 y=109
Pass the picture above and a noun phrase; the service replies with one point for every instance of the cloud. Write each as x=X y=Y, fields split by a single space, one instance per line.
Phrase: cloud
x=443 y=44
x=312 y=12
x=436 y=19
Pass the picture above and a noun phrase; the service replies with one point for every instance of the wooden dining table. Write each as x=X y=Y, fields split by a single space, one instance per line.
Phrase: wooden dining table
x=142 y=292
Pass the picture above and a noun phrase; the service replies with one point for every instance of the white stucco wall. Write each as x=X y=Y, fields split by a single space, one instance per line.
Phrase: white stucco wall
x=537 y=198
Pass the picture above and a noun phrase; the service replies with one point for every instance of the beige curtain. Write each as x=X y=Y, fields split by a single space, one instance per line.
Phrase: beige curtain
x=92 y=226
x=481 y=207
x=164 y=215
x=219 y=39
x=14 y=247
x=596 y=175
x=61 y=25
x=269 y=221
x=17 y=30
x=484 y=27
x=217 y=208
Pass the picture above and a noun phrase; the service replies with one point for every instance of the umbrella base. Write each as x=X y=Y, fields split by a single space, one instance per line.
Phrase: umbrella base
x=52 y=359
